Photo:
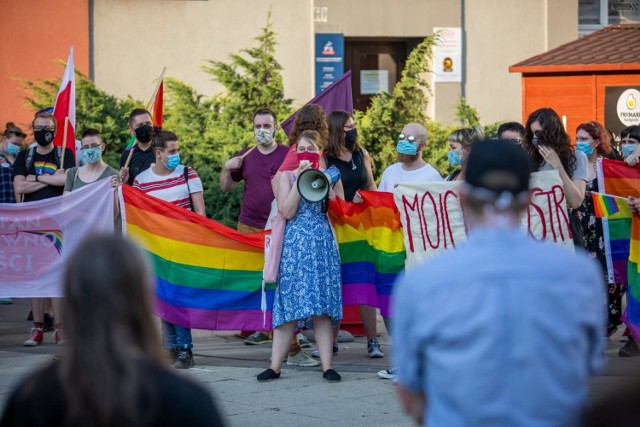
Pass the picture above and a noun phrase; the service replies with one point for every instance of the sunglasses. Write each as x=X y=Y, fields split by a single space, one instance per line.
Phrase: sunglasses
x=409 y=138
x=18 y=134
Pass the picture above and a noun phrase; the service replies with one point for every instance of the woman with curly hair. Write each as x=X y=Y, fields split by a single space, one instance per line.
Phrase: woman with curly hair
x=550 y=147
x=309 y=117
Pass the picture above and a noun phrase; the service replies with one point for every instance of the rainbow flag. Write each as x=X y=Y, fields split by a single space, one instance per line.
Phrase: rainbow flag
x=208 y=276
x=371 y=244
x=632 y=314
x=605 y=205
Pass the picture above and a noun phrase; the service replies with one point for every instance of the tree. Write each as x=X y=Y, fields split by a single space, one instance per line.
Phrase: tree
x=94 y=109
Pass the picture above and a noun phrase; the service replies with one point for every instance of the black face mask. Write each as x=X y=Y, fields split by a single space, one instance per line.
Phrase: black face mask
x=350 y=138
x=43 y=136
x=144 y=133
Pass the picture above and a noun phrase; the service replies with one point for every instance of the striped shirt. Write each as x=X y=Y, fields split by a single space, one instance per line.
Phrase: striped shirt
x=171 y=188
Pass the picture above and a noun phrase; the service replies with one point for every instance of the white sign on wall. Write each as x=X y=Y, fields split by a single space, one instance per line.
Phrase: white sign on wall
x=447 y=55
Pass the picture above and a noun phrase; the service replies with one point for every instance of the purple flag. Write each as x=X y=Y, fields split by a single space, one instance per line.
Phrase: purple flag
x=336 y=96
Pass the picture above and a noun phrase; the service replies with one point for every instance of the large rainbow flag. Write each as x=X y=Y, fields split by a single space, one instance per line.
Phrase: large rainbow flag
x=208 y=276
x=371 y=243
x=622 y=235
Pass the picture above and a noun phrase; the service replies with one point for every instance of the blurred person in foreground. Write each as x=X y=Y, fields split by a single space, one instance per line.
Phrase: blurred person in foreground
x=499 y=343
x=114 y=375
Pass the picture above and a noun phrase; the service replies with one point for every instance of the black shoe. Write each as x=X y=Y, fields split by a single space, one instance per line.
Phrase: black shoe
x=171 y=354
x=184 y=360
x=630 y=349
x=331 y=376
x=47 y=325
x=268 y=375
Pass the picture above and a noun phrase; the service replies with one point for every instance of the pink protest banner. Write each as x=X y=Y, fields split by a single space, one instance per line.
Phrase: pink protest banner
x=37 y=237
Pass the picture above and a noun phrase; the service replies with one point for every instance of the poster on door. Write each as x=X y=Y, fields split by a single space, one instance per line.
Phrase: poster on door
x=621 y=107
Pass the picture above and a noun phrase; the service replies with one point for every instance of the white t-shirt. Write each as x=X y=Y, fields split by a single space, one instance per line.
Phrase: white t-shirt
x=170 y=188
x=395 y=174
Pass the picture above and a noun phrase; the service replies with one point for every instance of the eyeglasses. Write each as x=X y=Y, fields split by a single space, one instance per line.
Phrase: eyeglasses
x=18 y=134
x=515 y=140
x=307 y=149
x=409 y=138
x=86 y=147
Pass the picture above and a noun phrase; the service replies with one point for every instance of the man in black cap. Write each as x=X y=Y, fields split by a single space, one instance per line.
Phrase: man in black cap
x=504 y=330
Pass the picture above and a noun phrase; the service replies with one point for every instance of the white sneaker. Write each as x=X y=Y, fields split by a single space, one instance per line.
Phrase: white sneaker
x=302 y=359
x=387 y=374
x=374 y=349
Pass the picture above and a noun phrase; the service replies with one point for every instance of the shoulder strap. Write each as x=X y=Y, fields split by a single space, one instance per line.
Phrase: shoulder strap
x=57 y=155
x=186 y=180
x=29 y=158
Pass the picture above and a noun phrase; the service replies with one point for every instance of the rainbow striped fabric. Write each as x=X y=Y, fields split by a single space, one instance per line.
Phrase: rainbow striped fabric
x=623 y=240
x=208 y=276
x=605 y=205
x=371 y=243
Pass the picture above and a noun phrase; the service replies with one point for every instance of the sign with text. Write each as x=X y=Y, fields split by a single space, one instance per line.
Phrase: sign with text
x=621 y=107
x=329 y=59
x=433 y=220
x=447 y=55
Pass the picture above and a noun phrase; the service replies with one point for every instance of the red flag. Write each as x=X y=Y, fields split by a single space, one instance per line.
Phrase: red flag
x=158 y=105
x=66 y=108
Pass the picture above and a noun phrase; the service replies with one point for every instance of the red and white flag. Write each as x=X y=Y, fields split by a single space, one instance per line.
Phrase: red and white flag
x=66 y=107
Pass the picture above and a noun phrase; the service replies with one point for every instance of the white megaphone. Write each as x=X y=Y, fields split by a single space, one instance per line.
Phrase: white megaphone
x=314 y=184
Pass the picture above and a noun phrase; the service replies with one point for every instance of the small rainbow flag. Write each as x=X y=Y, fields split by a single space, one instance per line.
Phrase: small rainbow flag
x=371 y=244
x=606 y=205
x=208 y=276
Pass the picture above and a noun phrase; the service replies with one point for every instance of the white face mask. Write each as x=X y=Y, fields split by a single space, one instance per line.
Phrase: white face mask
x=263 y=136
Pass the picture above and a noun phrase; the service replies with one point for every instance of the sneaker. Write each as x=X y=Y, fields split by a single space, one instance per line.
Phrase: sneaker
x=257 y=339
x=59 y=336
x=331 y=376
x=36 y=338
x=630 y=349
x=316 y=353
x=48 y=323
x=268 y=375
x=171 y=354
x=302 y=359
x=388 y=374
x=304 y=341
x=184 y=360
x=374 y=349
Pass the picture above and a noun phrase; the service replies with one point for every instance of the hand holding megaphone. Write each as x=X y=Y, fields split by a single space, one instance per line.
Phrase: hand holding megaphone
x=314 y=184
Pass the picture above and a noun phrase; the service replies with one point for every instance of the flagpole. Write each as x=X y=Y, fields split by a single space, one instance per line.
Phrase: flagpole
x=149 y=105
x=64 y=141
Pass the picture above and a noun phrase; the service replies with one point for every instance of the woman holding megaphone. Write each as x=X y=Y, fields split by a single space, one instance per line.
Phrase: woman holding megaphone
x=308 y=290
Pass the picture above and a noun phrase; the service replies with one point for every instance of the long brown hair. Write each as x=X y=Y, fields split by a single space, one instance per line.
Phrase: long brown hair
x=108 y=328
x=335 y=144
x=310 y=117
x=552 y=135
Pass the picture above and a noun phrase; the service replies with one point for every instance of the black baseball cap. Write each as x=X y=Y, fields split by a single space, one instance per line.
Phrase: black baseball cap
x=498 y=166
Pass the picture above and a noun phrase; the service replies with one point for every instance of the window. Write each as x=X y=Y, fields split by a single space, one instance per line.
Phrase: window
x=596 y=14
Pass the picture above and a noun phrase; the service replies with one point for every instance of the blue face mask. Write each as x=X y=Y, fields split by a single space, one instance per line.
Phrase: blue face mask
x=454 y=158
x=12 y=149
x=173 y=161
x=405 y=147
x=91 y=155
x=627 y=149
x=585 y=147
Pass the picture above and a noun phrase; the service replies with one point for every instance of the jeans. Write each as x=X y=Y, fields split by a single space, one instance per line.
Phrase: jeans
x=175 y=336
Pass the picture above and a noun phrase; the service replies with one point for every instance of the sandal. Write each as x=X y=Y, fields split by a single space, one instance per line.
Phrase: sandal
x=331 y=376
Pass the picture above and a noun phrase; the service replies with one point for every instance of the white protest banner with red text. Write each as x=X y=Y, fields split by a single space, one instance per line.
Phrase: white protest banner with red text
x=433 y=220
x=37 y=237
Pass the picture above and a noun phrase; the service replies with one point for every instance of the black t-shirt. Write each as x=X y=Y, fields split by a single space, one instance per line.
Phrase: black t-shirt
x=40 y=400
x=353 y=173
x=43 y=164
x=141 y=160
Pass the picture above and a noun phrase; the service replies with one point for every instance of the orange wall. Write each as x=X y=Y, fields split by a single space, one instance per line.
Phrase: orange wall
x=35 y=34
x=579 y=97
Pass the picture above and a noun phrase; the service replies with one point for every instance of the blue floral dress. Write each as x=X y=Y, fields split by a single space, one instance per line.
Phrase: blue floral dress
x=310 y=280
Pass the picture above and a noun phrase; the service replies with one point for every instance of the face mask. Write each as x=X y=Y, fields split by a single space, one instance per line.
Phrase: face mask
x=314 y=158
x=627 y=149
x=585 y=147
x=454 y=158
x=12 y=149
x=536 y=142
x=350 y=137
x=144 y=133
x=173 y=161
x=263 y=136
x=43 y=136
x=405 y=147
x=91 y=155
